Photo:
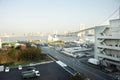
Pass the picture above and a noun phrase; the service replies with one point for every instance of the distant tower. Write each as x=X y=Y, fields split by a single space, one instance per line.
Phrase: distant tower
x=0 y=43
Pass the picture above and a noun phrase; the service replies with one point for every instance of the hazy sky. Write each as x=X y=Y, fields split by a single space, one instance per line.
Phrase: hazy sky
x=24 y=16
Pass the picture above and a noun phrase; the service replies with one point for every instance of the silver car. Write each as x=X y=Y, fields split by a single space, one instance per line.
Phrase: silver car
x=7 y=69
x=20 y=67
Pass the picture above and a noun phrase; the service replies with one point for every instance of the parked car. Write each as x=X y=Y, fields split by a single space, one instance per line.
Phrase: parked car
x=7 y=69
x=20 y=67
x=31 y=68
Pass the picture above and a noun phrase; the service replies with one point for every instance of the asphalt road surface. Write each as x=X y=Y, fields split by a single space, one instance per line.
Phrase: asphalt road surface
x=90 y=72
x=49 y=71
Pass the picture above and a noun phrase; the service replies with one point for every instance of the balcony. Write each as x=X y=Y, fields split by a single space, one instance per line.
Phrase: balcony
x=109 y=47
x=108 y=37
x=108 y=57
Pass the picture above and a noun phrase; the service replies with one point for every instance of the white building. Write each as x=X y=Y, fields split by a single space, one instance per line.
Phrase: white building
x=53 y=38
x=107 y=44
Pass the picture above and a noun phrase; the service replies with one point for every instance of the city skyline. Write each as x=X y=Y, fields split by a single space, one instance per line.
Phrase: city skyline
x=47 y=16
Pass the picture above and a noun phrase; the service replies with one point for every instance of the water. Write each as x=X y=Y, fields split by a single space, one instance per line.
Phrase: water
x=72 y=38
x=42 y=38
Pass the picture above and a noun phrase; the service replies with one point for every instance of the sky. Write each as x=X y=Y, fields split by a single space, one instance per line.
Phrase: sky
x=24 y=16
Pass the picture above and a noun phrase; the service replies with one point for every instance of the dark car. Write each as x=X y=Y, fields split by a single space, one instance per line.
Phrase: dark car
x=31 y=68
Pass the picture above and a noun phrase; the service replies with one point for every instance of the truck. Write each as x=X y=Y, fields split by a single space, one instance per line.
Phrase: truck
x=94 y=61
x=30 y=74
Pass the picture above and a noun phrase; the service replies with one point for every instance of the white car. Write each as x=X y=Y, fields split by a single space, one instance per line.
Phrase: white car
x=7 y=69
x=20 y=67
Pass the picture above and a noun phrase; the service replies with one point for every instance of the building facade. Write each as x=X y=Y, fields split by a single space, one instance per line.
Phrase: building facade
x=107 y=44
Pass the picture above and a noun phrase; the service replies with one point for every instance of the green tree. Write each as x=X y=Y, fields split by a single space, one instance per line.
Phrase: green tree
x=18 y=55
x=14 y=54
x=4 y=58
x=31 y=54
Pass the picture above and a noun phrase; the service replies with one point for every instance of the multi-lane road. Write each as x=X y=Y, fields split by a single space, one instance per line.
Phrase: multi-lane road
x=91 y=73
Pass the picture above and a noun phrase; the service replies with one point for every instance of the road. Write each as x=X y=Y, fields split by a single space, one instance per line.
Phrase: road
x=90 y=72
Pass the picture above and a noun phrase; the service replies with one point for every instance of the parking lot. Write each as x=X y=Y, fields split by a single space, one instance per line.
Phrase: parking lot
x=48 y=71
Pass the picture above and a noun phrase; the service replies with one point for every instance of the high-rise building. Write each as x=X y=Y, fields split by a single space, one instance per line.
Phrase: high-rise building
x=107 y=44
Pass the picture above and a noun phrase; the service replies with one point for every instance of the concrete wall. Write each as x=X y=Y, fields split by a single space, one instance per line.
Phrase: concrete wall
x=115 y=27
x=98 y=30
x=107 y=42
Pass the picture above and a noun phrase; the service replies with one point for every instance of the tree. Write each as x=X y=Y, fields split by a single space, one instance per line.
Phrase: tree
x=14 y=54
x=18 y=55
x=31 y=54
x=4 y=58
